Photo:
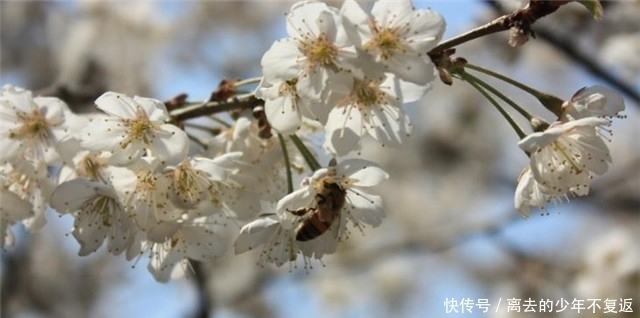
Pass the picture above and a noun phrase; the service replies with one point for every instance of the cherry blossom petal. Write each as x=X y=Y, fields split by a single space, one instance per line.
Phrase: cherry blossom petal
x=426 y=29
x=596 y=100
x=162 y=263
x=361 y=173
x=153 y=108
x=89 y=233
x=392 y=13
x=366 y=208
x=170 y=142
x=298 y=25
x=13 y=208
x=343 y=130
x=256 y=233
x=71 y=195
x=283 y=114
x=357 y=22
x=202 y=244
x=411 y=67
x=389 y=125
x=279 y=62
x=117 y=105
x=102 y=134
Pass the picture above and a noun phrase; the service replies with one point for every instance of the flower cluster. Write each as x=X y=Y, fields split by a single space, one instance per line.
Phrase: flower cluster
x=134 y=183
x=125 y=176
x=350 y=71
x=569 y=152
x=34 y=133
x=127 y=179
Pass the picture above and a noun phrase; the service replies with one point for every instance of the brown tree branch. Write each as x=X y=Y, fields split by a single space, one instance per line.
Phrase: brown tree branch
x=205 y=299
x=522 y=18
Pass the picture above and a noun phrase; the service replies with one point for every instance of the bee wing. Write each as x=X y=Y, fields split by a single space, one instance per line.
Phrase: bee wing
x=338 y=229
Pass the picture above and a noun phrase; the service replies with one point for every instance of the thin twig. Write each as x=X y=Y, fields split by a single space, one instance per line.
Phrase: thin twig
x=567 y=46
x=237 y=102
x=287 y=163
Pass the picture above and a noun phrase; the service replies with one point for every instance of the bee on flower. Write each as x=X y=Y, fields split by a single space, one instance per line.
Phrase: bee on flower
x=313 y=219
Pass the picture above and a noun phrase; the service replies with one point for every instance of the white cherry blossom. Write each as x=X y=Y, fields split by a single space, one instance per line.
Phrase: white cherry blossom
x=242 y=136
x=98 y=215
x=133 y=127
x=397 y=35
x=316 y=49
x=567 y=155
x=144 y=192
x=371 y=108
x=30 y=128
x=192 y=180
x=298 y=69
x=261 y=165
x=570 y=152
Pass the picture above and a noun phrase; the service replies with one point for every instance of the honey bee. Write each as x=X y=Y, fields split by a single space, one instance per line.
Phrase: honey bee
x=330 y=199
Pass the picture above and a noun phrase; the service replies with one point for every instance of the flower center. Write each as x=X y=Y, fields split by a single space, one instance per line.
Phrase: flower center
x=90 y=167
x=34 y=126
x=319 y=52
x=367 y=93
x=186 y=182
x=146 y=182
x=288 y=88
x=100 y=207
x=139 y=128
x=386 y=42
x=569 y=158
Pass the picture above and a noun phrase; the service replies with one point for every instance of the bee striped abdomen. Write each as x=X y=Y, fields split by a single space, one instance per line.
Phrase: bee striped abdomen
x=311 y=228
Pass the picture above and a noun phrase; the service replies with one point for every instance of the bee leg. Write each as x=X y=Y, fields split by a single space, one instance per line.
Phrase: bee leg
x=298 y=212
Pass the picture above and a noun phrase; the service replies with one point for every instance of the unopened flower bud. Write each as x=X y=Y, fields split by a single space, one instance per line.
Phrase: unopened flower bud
x=518 y=36
x=445 y=76
x=538 y=124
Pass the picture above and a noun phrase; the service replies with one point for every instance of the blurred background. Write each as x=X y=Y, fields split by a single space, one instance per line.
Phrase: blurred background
x=451 y=231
